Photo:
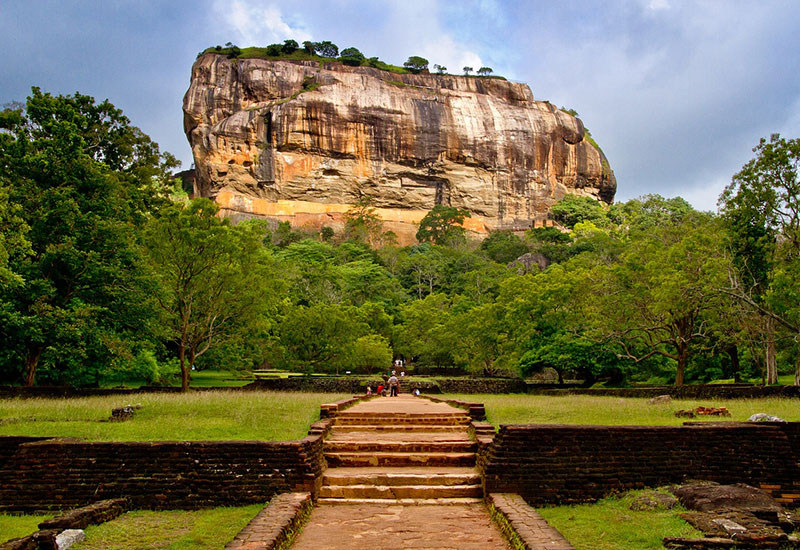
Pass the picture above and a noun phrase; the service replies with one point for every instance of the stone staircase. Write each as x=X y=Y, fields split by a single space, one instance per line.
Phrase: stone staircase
x=409 y=457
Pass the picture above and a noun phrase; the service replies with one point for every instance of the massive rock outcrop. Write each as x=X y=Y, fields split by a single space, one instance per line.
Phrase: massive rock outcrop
x=303 y=140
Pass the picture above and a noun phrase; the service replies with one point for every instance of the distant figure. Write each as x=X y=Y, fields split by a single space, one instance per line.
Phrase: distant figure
x=369 y=390
x=393 y=383
x=416 y=391
x=380 y=389
x=402 y=374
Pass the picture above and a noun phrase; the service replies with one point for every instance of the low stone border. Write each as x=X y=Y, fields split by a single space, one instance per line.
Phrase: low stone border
x=96 y=513
x=275 y=526
x=523 y=525
x=476 y=410
x=329 y=410
x=48 y=535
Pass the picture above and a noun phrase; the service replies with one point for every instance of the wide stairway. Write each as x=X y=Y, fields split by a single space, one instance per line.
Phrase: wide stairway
x=403 y=450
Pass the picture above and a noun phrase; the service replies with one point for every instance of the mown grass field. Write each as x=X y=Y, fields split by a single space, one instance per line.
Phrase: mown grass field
x=615 y=411
x=610 y=524
x=15 y=526
x=170 y=530
x=208 y=415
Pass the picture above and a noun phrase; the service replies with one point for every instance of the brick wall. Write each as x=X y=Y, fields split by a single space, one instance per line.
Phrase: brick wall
x=158 y=475
x=565 y=464
x=699 y=391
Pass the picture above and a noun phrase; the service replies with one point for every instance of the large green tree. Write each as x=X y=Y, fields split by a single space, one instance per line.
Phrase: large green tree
x=214 y=280
x=77 y=180
x=762 y=209
x=443 y=225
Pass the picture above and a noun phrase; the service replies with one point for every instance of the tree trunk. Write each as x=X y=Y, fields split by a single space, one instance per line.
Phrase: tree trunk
x=733 y=353
x=31 y=362
x=184 y=370
x=797 y=371
x=771 y=356
x=683 y=359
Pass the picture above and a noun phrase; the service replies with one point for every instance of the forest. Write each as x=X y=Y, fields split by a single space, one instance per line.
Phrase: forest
x=109 y=272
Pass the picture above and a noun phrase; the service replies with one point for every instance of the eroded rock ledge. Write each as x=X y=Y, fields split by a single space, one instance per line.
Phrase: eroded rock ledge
x=302 y=141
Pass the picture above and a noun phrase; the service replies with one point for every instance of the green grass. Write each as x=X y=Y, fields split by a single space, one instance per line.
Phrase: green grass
x=219 y=379
x=610 y=525
x=173 y=530
x=209 y=415
x=604 y=410
x=14 y=526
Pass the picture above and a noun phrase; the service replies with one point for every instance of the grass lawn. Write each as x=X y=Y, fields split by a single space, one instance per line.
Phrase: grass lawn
x=210 y=415
x=605 y=410
x=610 y=525
x=170 y=530
x=13 y=526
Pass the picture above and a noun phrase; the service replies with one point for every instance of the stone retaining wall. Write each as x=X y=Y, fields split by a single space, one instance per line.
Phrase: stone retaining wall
x=704 y=391
x=56 y=474
x=567 y=464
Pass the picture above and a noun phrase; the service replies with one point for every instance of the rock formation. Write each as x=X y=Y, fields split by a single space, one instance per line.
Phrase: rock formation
x=303 y=140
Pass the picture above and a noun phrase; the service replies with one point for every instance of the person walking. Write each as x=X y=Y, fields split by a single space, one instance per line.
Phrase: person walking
x=393 y=384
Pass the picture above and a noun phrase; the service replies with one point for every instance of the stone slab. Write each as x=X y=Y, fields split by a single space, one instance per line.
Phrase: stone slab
x=386 y=526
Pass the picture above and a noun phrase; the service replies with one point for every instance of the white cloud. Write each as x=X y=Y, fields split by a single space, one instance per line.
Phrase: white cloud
x=257 y=24
x=447 y=52
x=658 y=5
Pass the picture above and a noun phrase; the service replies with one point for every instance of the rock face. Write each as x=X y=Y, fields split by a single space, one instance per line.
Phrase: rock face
x=302 y=141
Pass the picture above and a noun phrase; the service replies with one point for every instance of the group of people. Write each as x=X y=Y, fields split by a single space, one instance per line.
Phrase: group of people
x=390 y=385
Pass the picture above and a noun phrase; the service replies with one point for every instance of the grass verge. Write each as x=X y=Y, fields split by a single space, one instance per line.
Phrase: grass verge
x=609 y=524
x=211 y=415
x=15 y=526
x=614 y=411
x=170 y=530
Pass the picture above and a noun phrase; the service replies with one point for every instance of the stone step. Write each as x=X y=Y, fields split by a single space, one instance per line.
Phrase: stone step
x=387 y=446
x=393 y=477
x=388 y=420
x=402 y=501
x=400 y=491
x=399 y=428
x=398 y=459
x=417 y=437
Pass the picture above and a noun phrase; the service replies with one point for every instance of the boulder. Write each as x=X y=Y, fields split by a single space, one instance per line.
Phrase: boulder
x=659 y=399
x=764 y=417
x=653 y=501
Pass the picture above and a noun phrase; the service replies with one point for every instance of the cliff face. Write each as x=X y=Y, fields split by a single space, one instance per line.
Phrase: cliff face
x=302 y=141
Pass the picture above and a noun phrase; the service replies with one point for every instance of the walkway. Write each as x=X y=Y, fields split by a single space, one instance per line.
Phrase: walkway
x=401 y=475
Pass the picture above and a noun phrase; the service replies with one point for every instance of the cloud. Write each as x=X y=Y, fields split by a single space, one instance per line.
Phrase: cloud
x=658 y=5
x=256 y=24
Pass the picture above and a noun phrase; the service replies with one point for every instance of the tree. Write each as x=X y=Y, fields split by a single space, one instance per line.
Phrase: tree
x=327 y=49
x=310 y=47
x=467 y=70
x=212 y=278
x=573 y=209
x=485 y=71
x=77 y=180
x=442 y=225
x=289 y=46
x=655 y=301
x=362 y=222
x=352 y=57
x=416 y=64
x=441 y=69
x=762 y=209
x=275 y=50
x=503 y=246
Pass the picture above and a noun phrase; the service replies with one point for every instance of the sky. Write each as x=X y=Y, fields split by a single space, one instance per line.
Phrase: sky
x=676 y=92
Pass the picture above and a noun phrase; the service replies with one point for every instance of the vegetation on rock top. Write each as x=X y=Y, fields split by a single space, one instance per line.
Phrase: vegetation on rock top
x=326 y=51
